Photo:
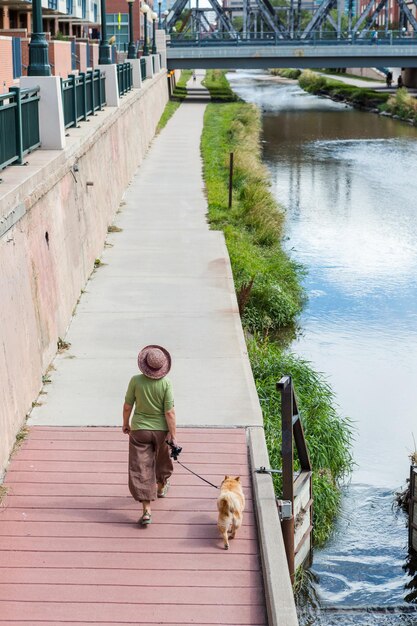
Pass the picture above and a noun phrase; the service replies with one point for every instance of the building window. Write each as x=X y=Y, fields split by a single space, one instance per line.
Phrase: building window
x=118 y=25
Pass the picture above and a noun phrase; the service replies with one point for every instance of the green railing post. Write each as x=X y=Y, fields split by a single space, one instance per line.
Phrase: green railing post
x=100 y=95
x=18 y=124
x=84 y=88
x=93 y=100
x=73 y=80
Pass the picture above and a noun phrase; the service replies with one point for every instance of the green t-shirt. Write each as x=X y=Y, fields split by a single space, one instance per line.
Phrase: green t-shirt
x=152 y=398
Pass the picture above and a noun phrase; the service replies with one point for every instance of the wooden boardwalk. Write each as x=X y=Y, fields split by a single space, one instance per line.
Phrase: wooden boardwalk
x=71 y=551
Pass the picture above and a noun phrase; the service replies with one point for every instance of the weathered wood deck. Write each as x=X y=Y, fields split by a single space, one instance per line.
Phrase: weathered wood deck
x=71 y=550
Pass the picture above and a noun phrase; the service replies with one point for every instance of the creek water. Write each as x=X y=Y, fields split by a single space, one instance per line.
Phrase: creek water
x=346 y=179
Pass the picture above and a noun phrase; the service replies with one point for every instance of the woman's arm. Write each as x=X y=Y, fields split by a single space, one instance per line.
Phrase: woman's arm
x=127 y=410
x=172 y=425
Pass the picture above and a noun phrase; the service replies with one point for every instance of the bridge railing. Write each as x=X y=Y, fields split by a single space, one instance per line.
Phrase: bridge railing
x=275 y=39
x=82 y=95
x=19 y=124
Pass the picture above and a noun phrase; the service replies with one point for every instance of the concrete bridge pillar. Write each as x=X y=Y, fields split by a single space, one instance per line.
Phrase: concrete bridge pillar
x=409 y=76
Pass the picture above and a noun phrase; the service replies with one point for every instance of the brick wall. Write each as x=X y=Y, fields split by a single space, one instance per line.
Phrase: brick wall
x=94 y=55
x=60 y=58
x=6 y=64
x=81 y=52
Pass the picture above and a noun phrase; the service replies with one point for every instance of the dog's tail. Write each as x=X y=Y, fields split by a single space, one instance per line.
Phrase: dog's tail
x=227 y=504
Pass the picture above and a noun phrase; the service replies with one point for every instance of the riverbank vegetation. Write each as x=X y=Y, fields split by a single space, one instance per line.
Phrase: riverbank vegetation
x=337 y=90
x=218 y=85
x=270 y=296
x=288 y=72
x=402 y=104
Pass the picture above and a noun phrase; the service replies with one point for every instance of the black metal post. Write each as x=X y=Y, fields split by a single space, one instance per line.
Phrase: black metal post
x=131 y=51
x=159 y=15
x=145 y=35
x=153 y=51
x=38 y=47
x=104 y=56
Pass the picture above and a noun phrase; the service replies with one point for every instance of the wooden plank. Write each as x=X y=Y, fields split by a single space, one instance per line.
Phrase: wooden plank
x=115 y=503
x=54 y=478
x=92 y=456
x=119 y=613
x=124 y=544
x=21 y=528
x=108 y=577
x=92 y=445
x=127 y=593
x=111 y=516
x=201 y=491
x=217 y=560
x=202 y=468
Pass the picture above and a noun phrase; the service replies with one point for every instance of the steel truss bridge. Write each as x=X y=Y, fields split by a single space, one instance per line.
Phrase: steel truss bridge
x=292 y=33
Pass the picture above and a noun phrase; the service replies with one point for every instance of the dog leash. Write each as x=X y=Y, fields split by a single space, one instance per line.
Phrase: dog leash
x=198 y=476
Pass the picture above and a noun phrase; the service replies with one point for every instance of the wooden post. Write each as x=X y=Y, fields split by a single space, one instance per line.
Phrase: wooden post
x=231 y=180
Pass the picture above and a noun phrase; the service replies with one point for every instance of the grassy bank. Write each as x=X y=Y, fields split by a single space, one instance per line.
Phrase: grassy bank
x=218 y=85
x=270 y=296
x=357 y=96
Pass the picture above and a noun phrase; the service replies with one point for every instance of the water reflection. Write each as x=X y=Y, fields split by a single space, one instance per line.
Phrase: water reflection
x=346 y=180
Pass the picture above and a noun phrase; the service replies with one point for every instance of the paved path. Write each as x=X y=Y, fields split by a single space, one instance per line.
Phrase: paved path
x=165 y=280
x=70 y=548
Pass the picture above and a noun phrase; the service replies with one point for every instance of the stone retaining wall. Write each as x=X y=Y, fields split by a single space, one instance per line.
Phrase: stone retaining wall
x=53 y=224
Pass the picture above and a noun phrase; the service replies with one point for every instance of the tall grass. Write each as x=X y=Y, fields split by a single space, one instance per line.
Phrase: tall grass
x=270 y=298
x=404 y=105
x=287 y=72
x=266 y=280
x=218 y=85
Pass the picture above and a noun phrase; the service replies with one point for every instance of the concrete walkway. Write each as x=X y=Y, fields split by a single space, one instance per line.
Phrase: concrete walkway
x=166 y=279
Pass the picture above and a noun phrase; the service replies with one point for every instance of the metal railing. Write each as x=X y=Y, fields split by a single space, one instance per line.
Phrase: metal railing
x=82 y=95
x=124 y=77
x=19 y=124
x=390 y=38
x=143 y=68
x=296 y=488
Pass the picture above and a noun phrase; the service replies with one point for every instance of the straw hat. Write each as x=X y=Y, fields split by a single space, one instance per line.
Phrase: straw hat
x=154 y=361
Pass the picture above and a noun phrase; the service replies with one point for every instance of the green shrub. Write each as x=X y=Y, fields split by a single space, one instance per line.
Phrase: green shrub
x=316 y=83
x=401 y=103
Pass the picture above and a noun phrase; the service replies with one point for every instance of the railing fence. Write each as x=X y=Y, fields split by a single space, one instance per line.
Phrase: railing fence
x=124 y=77
x=143 y=68
x=297 y=525
x=19 y=124
x=82 y=95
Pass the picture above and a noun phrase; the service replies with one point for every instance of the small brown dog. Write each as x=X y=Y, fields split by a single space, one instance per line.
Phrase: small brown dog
x=230 y=504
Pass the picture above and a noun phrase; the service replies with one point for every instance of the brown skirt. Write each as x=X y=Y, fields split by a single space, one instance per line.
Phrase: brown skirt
x=149 y=463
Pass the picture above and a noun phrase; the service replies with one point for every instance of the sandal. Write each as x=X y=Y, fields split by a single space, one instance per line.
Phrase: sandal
x=164 y=491
x=146 y=519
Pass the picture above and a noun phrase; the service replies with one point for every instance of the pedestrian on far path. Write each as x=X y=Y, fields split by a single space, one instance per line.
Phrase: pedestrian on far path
x=194 y=76
x=152 y=425
x=399 y=81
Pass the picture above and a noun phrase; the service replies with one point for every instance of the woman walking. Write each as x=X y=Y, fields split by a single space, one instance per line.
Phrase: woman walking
x=153 y=423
